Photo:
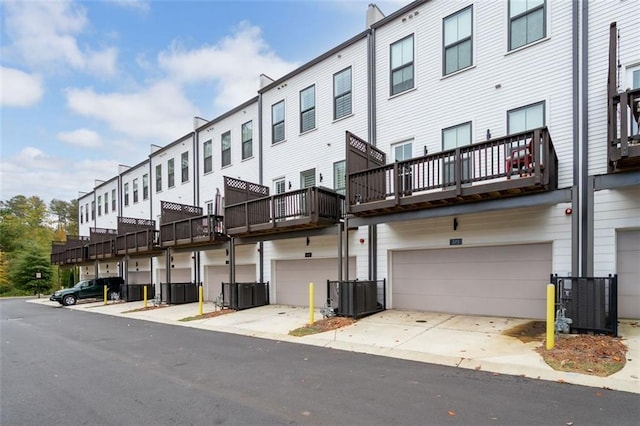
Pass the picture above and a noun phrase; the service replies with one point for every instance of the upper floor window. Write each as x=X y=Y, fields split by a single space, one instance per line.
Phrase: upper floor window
x=126 y=194
x=209 y=205
x=171 y=181
x=86 y=213
x=277 y=122
x=340 y=177
x=159 y=178
x=525 y=118
x=247 y=140
x=226 y=148
x=113 y=200
x=527 y=22
x=402 y=65
x=208 y=157
x=455 y=136
x=145 y=186
x=99 y=205
x=308 y=109
x=135 y=190
x=342 y=93
x=184 y=164
x=458 y=47
x=106 y=202
x=308 y=178
x=93 y=210
x=81 y=214
x=402 y=151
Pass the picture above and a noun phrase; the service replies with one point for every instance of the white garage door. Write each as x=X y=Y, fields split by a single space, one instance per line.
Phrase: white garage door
x=139 y=277
x=293 y=277
x=178 y=275
x=628 y=274
x=216 y=275
x=499 y=280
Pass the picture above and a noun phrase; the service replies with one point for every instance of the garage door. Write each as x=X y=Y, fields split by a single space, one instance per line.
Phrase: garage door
x=178 y=275
x=216 y=275
x=499 y=280
x=293 y=277
x=628 y=254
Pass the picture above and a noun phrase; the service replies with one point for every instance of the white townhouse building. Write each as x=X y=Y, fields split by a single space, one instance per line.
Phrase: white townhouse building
x=464 y=152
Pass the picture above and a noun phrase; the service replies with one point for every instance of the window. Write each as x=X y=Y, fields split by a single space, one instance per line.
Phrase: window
x=159 y=178
x=93 y=210
x=247 y=140
x=402 y=65
x=99 y=205
x=340 y=177
x=226 y=148
x=308 y=109
x=209 y=205
x=458 y=48
x=527 y=22
x=145 y=186
x=634 y=83
x=135 y=190
x=171 y=181
x=404 y=151
x=342 y=93
x=454 y=137
x=106 y=202
x=525 y=118
x=126 y=194
x=184 y=163
x=279 y=188
x=86 y=212
x=113 y=200
x=81 y=214
x=308 y=178
x=277 y=122
x=208 y=157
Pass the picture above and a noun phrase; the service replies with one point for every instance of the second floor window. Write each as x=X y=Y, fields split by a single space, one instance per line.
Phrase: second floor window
x=159 y=178
x=208 y=157
x=126 y=194
x=525 y=118
x=145 y=186
x=526 y=22
x=81 y=214
x=170 y=173
x=277 y=122
x=113 y=200
x=247 y=140
x=342 y=93
x=402 y=65
x=135 y=190
x=458 y=30
x=93 y=210
x=226 y=148
x=340 y=177
x=86 y=213
x=99 y=205
x=184 y=162
x=454 y=137
x=106 y=202
x=308 y=109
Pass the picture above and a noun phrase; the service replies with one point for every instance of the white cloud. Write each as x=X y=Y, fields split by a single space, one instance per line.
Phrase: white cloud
x=137 y=5
x=227 y=64
x=83 y=138
x=19 y=89
x=161 y=111
x=44 y=34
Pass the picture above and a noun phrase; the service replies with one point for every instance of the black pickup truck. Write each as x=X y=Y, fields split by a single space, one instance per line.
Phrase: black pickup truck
x=89 y=289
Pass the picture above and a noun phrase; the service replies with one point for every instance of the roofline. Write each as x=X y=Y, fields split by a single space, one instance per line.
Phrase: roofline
x=228 y=113
x=146 y=160
x=399 y=13
x=106 y=182
x=175 y=142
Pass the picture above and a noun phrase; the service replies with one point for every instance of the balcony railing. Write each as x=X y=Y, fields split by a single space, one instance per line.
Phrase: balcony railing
x=304 y=208
x=76 y=251
x=624 y=131
x=101 y=249
x=193 y=231
x=143 y=241
x=58 y=249
x=516 y=164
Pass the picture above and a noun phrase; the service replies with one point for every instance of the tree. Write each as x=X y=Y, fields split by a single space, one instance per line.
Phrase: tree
x=23 y=222
x=66 y=215
x=30 y=265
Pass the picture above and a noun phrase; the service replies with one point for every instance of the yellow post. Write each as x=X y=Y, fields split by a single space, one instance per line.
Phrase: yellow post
x=551 y=303
x=144 y=295
x=310 y=303
x=200 y=297
x=105 y=294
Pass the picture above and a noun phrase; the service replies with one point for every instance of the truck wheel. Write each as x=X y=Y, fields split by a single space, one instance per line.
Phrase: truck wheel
x=113 y=295
x=69 y=300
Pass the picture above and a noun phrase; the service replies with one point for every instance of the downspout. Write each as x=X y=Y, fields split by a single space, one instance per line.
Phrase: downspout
x=575 y=198
x=260 y=181
x=196 y=196
x=586 y=195
x=371 y=105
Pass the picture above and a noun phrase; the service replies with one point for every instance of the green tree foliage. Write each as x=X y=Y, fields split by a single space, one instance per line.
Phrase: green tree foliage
x=31 y=271
x=66 y=215
x=23 y=223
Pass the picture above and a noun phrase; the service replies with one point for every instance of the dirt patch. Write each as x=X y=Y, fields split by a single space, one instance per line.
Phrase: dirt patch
x=532 y=331
x=320 y=326
x=208 y=315
x=148 y=308
x=586 y=354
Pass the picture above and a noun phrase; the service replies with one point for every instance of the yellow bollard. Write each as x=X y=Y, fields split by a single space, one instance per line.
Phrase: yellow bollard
x=200 y=297
x=310 y=303
x=105 y=294
x=551 y=302
x=144 y=295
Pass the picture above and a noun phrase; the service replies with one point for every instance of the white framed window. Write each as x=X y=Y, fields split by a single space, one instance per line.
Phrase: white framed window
x=277 y=122
x=145 y=186
x=209 y=205
x=208 y=156
x=342 y=93
x=81 y=214
x=159 y=178
x=135 y=190
x=308 y=109
x=247 y=140
x=340 y=176
x=402 y=75
x=93 y=210
x=308 y=178
x=113 y=200
x=171 y=173
x=279 y=188
x=184 y=166
x=633 y=82
x=126 y=194
x=454 y=137
x=402 y=150
x=99 y=205
x=527 y=22
x=226 y=148
x=526 y=118
x=106 y=202
x=457 y=40
x=86 y=212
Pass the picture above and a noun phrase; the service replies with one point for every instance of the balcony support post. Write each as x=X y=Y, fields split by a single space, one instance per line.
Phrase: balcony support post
x=624 y=136
x=232 y=261
x=396 y=182
x=458 y=172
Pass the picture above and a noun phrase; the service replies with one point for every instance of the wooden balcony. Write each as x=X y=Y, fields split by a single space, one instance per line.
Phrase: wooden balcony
x=193 y=232
x=76 y=251
x=313 y=207
x=140 y=242
x=58 y=249
x=624 y=134
x=101 y=243
x=518 y=164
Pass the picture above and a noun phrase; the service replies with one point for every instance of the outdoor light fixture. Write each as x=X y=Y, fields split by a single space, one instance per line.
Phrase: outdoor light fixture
x=308 y=240
x=289 y=184
x=455 y=223
x=320 y=177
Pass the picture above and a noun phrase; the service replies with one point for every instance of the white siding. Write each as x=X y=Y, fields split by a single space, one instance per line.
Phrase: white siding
x=141 y=209
x=108 y=220
x=85 y=225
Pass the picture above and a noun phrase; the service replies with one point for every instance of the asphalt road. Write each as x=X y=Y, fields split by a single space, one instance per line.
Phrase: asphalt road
x=65 y=367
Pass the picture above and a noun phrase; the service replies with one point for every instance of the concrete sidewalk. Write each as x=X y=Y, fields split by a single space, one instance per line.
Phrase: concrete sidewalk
x=473 y=342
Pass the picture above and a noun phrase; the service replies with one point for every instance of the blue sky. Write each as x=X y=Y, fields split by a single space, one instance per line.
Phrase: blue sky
x=86 y=86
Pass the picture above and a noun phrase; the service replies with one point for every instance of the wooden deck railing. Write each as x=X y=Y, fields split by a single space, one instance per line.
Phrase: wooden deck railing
x=137 y=242
x=624 y=131
x=201 y=229
x=493 y=163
